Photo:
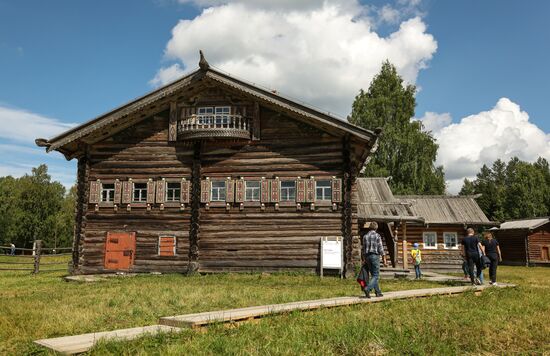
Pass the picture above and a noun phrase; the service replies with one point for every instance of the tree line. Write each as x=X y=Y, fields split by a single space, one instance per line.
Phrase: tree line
x=33 y=207
x=512 y=190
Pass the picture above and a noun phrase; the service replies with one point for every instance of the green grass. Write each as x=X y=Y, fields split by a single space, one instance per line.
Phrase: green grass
x=500 y=321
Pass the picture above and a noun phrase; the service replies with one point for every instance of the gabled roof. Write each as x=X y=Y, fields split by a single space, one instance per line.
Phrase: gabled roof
x=376 y=202
x=444 y=209
x=129 y=113
x=528 y=224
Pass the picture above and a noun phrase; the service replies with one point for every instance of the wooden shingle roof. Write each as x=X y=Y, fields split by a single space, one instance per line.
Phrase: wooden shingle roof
x=527 y=224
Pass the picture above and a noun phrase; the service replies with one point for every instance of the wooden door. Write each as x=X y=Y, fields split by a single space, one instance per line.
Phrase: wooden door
x=545 y=254
x=120 y=250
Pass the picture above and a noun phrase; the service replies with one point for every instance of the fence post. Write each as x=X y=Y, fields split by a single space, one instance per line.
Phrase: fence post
x=37 y=253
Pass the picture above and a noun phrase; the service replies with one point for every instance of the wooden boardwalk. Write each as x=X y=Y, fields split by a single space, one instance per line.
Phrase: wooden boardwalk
x=235 y=315
x=82 y=343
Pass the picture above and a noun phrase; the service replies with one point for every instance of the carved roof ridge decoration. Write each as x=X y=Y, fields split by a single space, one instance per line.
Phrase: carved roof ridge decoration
x=325 y=120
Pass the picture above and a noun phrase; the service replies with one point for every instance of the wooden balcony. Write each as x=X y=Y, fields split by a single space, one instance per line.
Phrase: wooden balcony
x=214 y=126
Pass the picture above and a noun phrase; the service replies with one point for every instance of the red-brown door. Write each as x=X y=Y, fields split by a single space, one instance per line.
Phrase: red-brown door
x=120 y=249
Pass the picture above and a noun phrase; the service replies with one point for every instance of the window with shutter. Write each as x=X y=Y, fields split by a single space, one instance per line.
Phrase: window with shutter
x=229 y=191
x=94 y=194
x=184 y=197
x=265 y=192
x=336 y=190
x=300 y=190
x=150 y=191
x=205 y=191
x=310 y=190
x=173 y=192
x=217 y=191
x=252 y=190
x=118 y=191
x=139 y=194
x=239 y=191
x=288 y=191
x=323 y=190
x=275 y=188
x=161 y=191
x=167 y=246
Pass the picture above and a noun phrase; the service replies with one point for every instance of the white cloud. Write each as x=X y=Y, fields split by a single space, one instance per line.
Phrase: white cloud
x=434 y=122
x=500 y=133
x=167 y=74
x=25 y=126
x=322 y=53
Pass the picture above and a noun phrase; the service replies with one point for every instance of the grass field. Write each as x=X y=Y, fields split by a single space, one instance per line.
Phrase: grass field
x=500 y=321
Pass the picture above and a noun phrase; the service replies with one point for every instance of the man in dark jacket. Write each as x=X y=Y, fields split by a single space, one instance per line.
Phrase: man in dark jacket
x=373 y=249
x=471 y=247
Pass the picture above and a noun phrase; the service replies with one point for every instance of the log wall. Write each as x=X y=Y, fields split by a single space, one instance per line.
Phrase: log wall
x=228 y=240
x=440 y=259
x=512 y=246
x=538 y=239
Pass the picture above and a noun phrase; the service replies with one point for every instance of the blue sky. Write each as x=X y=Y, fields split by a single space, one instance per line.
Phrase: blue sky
x=65 y=62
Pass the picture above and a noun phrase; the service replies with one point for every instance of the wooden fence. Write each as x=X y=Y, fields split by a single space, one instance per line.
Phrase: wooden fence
x=35 y=260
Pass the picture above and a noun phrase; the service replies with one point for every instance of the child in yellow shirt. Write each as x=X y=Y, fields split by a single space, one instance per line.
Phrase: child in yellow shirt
x=416 y=255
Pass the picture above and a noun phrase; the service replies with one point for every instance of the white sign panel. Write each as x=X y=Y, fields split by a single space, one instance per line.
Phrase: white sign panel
x=331 y=248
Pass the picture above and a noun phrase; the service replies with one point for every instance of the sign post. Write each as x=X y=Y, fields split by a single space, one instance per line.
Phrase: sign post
x=332 y=256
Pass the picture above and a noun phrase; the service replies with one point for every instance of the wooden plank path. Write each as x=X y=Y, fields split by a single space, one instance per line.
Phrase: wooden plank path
x=234 y=315
x=82 y=343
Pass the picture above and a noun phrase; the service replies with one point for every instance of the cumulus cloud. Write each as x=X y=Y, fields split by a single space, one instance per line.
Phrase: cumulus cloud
x=24 y=126
x=319 y=52
x=502 y=132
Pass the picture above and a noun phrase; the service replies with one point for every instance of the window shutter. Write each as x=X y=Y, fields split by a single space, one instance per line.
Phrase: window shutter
x=95 y=192
x=150 y=191
x=184 y=192
x=161 y=191
x=229 y=191
x=300 y=190
x=239 y=190
x=310 y=190
x=336 y=190
x=205 y=191
x=275 y=190
x=264 y=191
x=127 y=192
x=167 y=246
x=118 y=191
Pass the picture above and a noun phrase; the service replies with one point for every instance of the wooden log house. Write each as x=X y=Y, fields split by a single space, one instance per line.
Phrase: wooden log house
x=436 y=222
x=525 y=242
x=211 y=173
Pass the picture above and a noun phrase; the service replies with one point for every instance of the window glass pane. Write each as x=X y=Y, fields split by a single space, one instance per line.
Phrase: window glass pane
x=430 y=239
x=252 y=190
x=108 y=192
x=323 y=190
x=218 y=191
x=140 y=192
x=288 y=190
x=450 y=240
x=173 y=191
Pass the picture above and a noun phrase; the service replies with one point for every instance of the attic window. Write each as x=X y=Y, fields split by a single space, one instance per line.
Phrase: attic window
x=208 y=115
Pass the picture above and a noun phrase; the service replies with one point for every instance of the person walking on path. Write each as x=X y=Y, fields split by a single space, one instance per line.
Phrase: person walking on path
x=373 y=249
x=470 y=245
x=492 y=250
x=417 y=259
x=12 y=252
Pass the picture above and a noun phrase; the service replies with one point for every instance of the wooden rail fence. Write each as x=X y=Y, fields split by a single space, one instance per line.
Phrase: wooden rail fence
x=35 y=260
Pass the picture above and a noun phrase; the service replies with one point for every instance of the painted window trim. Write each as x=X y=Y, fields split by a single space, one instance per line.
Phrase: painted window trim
x=424 y=234
x=175 y=242
x=456 y=240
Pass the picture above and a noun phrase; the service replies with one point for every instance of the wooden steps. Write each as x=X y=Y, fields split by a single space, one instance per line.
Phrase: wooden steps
x=235 y=315
x=82 y=343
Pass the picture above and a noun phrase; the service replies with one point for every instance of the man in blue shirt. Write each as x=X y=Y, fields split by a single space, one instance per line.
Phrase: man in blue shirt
x=373 y=249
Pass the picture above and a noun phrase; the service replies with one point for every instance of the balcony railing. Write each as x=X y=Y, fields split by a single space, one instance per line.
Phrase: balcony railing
x=215 y=126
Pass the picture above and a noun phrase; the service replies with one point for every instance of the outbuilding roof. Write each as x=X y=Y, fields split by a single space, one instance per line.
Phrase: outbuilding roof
x=529 y=224
x=444 y=209
x=377 y=202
